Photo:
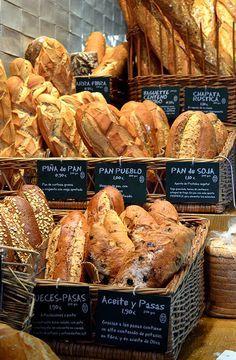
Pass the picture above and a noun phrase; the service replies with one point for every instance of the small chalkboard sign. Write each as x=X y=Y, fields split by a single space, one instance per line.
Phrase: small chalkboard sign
x=132 y=320
x=128 y=178
x=62 y=312
x=207 y=99
x=94 y=84
x=167 y=97
x=191 y=182
x=63 y=179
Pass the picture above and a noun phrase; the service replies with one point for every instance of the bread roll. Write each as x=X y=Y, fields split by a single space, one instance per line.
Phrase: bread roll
x=109 y=245
x=35 y=196
x=160 y=123
x=67 y=248
x=115 y=63
x=20 y=345
x=220 y=131
x=104 y=135
x=21 y=68
x=192 y=135
x=51 y=60
x=106 y=199
x=7 y=131
x=96 y=42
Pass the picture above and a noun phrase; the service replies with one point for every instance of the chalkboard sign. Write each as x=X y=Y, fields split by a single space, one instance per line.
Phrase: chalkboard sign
x=128 y=178
x=207 y=100
x=94 y=84
x=63 y=179
x=188 y=182
x=133 y=321
x=62 y=312
x=166 y=97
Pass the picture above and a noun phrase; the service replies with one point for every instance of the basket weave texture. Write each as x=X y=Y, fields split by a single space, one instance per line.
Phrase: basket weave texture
x=186 y=290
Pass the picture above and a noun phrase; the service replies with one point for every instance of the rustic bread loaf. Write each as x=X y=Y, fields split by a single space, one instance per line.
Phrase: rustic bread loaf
x=7 y=131
x=106 y=199
x=21 y=68
x=163 y=211
x=220 y=131
x=16 y=344
x=104 y=135
x=96 y=43
x=67 y=248
x=21 y=97
x=35 y=196
x=51 y=60
x=192 y=135
x=109 y=245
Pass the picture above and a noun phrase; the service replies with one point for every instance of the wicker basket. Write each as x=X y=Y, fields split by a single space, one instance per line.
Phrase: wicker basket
x=24 y=171
x=186 y=290
x=18 y=281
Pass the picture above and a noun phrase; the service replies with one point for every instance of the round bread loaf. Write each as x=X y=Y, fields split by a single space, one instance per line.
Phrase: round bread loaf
x=192 y=135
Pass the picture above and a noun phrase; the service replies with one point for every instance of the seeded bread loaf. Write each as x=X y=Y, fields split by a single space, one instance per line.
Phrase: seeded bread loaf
x=67 y=248
x=192 y=135
x=5 y=238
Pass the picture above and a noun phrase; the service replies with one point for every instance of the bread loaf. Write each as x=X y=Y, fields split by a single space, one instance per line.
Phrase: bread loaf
x=82 y=63
x=103 y=134
x=20 y=345
x=35 y=196
x=220 y=131
x=5 y=238
x=51 y=60
x=96 y=43
x=109 y=245
x=7 y=131
x=21 y=97
x=106 y=199
x=21 y=68
x=192 y=135
x=67 y=248
x=163 y=211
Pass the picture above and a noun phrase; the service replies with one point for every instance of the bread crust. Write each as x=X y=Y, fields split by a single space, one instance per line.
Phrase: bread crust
x=96 y=42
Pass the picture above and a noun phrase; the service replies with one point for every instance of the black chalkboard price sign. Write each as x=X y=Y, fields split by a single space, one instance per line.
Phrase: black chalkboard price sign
x=165 y=96
x=94 y=84
x=63 y=179
x=132 y=320
x=190 y=182
x=129 y=178
x=207 y=100
x=62 y=312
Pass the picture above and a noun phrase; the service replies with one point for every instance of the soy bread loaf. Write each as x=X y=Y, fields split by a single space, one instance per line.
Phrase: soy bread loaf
x=103 y=133
x=7 y=131
x=67 y=248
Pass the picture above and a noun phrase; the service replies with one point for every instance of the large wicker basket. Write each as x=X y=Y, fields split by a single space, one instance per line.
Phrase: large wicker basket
x=186 y=290
x=17 y=171
x=18 y=281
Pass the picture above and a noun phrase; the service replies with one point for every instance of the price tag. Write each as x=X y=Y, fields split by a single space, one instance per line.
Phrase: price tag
x=63 y=179
x=165 y=96
x=62 y=312
x=94 y=84
x=128 y=178
x=133 y=321
x=207 y=100
x=188 y=182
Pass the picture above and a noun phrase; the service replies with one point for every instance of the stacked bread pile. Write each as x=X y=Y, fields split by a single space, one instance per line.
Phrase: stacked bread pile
x=124 y=247
x=26 y=222
x=98 y=59
x=186 y=37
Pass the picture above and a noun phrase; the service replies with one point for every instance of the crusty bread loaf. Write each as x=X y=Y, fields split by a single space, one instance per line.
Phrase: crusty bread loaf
x=192 y=135
x=220 y=131
x=67 y=248
x=96 y=42
x=104 y=135
x=21 y=97
x=163 y=211
x=160 y=123
x=20 y=345
x=114 y=63
x=51 y=60
x=106 y=199
x=109 y=245
x=22 y=68
x=35 y=196
x=7 y=131
x=38 y=86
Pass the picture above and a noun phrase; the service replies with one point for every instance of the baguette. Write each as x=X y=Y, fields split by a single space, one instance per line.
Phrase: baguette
x=67 y=248
x=96 y=42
